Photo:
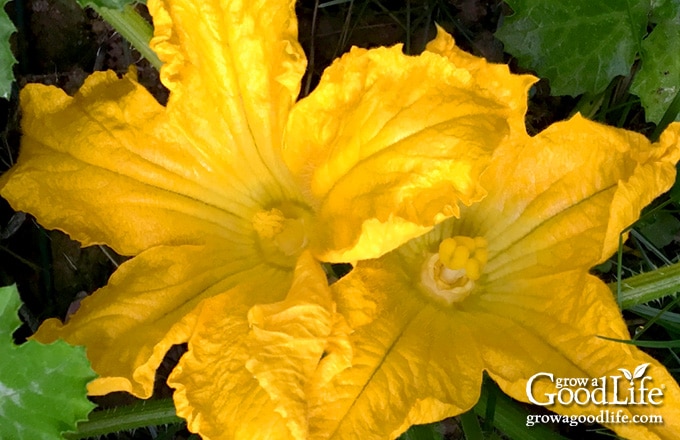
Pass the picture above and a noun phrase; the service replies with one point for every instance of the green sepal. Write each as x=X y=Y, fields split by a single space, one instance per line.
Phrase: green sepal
x=7 y=60
x=43 y=388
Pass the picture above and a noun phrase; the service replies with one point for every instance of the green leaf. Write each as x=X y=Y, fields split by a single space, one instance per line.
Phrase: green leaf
x=579 y=45
x=661 y=229
x=7 y=60
x=658 y=80
x=42 y=387
x=111 y=4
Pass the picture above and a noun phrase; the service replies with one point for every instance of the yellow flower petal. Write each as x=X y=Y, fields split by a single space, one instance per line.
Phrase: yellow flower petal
x=247 y=371
x=104 y=167
x=417 y=362
x=529 y=327
x=128 y=326
x=118 y=168
x=559 y=200
x=233 y=70
x=412 y=362
x=553 y=202
x=389 y=145
x=494 y=79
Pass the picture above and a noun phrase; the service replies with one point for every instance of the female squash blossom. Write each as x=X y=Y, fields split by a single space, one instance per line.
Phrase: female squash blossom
x=228 y=195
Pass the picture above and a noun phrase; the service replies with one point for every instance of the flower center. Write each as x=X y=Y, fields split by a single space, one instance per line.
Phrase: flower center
x=451 y=273
x=281 y=228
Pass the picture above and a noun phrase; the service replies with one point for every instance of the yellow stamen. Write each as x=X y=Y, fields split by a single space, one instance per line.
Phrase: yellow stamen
x=465 y=241
x=455 y=252
x=451 y=274
x=480 y=242
x=473 y=269
x=268 y=224
x=446 y=249
x=482 y=255
x=457 y=261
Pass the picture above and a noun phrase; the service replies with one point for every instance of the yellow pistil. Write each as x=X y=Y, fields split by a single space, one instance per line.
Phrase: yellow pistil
x=451 y=273
x=268 y=224
x=284 y=231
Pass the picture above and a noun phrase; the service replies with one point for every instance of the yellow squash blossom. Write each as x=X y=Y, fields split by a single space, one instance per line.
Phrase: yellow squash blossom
x=506 y=289
x=228 y=196
x=229 y=187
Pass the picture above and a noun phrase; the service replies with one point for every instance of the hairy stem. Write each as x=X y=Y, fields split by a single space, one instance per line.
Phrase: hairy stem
x=138 y=415
x=649 y=286
x=132 y=26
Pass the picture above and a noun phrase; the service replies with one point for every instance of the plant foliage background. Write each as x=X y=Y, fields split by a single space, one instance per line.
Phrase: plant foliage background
x=617 y=62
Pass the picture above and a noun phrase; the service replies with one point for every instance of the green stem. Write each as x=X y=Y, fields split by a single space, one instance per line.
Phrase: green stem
x=133 y=28
x=648 y=286
x=138 y=415
x=471 y=427
x=491 y=394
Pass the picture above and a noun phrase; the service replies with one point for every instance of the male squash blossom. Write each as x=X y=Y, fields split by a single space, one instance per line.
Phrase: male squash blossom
x=505 y=288
x=229 y=194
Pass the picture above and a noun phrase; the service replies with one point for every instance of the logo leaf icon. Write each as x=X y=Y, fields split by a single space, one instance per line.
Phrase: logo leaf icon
x=627 y=373
x=640 y=371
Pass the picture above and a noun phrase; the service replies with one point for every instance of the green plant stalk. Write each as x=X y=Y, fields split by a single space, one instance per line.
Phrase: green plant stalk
x=138 y=415
x=133 y=28
x=668 y=117
x=648 y=286
x=471 y=427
